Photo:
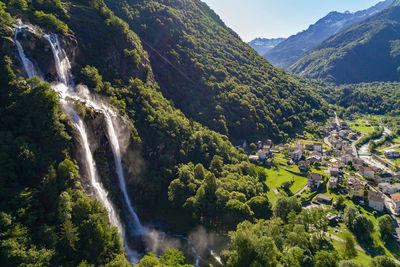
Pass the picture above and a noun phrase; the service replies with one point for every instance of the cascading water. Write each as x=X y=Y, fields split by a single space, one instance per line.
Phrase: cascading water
x=66 y=91
x=134 y=219
x=28 y=65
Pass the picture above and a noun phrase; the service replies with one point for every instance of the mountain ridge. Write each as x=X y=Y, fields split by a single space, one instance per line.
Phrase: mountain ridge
x=289 y=51
x=263 y=45
x=365 y=52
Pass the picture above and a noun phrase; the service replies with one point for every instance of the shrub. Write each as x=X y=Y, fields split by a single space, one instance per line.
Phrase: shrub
x=50 y=22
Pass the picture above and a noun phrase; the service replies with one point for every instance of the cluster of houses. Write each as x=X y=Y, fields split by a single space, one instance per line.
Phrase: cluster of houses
x=341 y=138
x=265 y=150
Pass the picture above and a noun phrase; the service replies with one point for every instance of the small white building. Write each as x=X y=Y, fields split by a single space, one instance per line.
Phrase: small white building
x=314 y=180
x=253 y=158
x=376 y=200
x=388 y=188
x=333 y=182
x=346 y=158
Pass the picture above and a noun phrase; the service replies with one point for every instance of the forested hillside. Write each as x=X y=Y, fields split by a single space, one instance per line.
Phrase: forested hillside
x=214 y=77
x=177 y=166
x=365 y=52
x=377 y=98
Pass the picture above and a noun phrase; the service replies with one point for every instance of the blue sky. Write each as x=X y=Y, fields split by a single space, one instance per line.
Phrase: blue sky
x=278 y=18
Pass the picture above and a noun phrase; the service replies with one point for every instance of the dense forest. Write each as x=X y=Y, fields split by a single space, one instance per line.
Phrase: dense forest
x=212 y=76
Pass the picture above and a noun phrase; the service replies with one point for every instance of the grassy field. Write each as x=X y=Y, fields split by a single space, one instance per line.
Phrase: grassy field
x=396 y=161
x=361 y=125
x=271 y=196
x=276 y=177
x=361 y=257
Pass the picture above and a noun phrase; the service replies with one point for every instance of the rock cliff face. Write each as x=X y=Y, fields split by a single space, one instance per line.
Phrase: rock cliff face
x=38 y=50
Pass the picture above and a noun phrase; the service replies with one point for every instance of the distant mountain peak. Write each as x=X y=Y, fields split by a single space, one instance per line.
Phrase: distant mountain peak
x=263 y=45
x=293 y=48
x=368 y=51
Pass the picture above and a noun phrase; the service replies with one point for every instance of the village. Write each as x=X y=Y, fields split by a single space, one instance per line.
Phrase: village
x=334 y=164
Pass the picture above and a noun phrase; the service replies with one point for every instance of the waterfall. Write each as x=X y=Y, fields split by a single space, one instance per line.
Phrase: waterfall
x=134 y=219
x=62 y=63
x=28 y=65
x=66 y=91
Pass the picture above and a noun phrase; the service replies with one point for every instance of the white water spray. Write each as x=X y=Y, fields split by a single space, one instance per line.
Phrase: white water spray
x=28 y=65
x=66 y=91
x=134 y=219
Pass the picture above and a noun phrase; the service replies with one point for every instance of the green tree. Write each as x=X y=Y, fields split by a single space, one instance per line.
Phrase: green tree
x=363 y=227
x=382 y=261
x=91 y=78
x=340 y=203
x=284 y=205
x=260 y=206
x=350 y=263
x=170 y=258
x=293 y=257
x=385 y=226
x=349 y=250
x=326 y=259
x=349 y=214
x=247 y=249
x=216 y=165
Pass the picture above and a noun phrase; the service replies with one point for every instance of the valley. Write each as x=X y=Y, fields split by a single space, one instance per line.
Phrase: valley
x=147 y=133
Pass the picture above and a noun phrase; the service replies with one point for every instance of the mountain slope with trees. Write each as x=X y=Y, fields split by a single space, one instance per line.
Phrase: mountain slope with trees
x=46 y=218
x=293 y=48
x=214 y=77
x=366 y=52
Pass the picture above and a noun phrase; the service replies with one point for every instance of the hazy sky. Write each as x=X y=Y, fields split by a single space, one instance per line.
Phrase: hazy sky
x=278 y=18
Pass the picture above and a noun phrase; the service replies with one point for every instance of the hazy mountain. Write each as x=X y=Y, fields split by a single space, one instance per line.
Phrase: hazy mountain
x=263 y=45
x=290 y=50
x=367 y=51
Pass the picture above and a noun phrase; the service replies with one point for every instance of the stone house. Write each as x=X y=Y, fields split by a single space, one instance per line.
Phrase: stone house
x=396 y=201
x=346 y=158
x=368 y=172
x=355 y=187
x=317 y=147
